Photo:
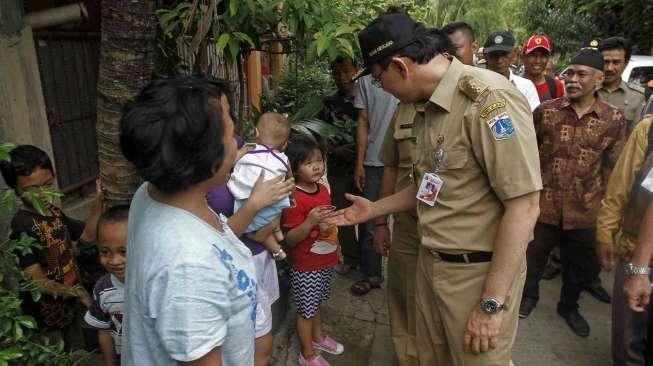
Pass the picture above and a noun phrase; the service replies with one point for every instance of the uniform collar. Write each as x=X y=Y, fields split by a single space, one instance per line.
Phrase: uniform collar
x=623 y=86
x=444 y=92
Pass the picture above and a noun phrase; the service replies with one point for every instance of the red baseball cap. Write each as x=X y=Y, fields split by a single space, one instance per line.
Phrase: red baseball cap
x=537 y=41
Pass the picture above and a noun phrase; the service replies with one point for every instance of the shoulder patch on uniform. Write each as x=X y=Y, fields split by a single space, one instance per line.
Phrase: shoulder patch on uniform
x=471 y=87
x=501 y=103
x=501 y=126
x=636 y=88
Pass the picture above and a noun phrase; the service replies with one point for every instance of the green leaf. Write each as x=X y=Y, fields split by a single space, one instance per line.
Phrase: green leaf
x=182 y=6
x=166 y=18
x=18 y=330
x=322 y=44
x=233 y=7
x=11 y=353
x=36 y=295
x=222 y=42
x=234 y=48
x=245 y=38
x=346 y=46
x=27 y=321
x=5 y=149
x=37 y=205
x=170 y=27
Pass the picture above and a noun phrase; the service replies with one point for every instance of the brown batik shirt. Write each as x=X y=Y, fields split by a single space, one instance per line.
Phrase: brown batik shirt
x=576 y=157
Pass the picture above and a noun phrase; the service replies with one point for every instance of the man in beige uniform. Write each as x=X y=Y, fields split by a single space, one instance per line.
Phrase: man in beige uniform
x=398 y=156
x=478 y=179
x=627 y=97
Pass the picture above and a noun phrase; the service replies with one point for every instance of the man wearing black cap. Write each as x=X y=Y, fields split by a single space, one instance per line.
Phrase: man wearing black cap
x=579 y=138
x=475 y=182
x=499 y=49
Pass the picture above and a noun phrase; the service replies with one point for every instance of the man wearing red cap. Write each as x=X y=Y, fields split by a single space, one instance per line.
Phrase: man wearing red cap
x=536 y=53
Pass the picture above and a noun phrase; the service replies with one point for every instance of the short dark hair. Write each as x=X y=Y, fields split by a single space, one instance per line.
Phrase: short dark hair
x=23 y=160
x=395 y=9
x=340 y=60
x=299 y=150
x=173 y=131
x=616 y=43
x=429 y=42
x=119 y=213
x=454 y=27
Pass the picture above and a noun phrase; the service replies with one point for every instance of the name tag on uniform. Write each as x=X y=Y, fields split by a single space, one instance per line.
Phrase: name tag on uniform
x=429 y=188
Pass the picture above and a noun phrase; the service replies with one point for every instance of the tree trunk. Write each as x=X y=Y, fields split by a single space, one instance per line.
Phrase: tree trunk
x=126 y=63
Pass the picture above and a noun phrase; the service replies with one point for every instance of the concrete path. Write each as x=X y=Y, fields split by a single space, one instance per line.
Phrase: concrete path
x=544 y=339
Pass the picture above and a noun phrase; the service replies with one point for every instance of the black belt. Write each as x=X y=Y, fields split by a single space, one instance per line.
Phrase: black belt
x=474 y=257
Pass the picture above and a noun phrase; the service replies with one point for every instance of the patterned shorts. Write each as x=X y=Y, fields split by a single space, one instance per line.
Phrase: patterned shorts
x=310 y=289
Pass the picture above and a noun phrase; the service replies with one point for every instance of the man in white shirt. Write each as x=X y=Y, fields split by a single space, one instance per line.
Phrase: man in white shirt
x=499 y=50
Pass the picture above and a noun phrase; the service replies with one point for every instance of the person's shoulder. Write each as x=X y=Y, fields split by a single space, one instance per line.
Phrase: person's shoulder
x=552 y=104
x=476 y=83
x=609 y=112
x=643 y=126
x=102 y=284
x=636 y=89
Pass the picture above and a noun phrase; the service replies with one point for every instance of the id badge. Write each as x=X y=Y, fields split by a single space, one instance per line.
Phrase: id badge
x=429 y=188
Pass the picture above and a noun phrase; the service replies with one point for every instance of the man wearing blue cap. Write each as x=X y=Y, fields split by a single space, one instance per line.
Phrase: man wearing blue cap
x=475 y=182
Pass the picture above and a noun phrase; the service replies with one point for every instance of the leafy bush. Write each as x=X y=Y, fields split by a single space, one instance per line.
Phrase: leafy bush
x=20 y=343
x=299 y=95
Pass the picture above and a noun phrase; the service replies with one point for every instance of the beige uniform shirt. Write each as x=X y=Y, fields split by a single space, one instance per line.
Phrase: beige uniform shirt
x=628 y=98
x=484 y=127
x=400 y=145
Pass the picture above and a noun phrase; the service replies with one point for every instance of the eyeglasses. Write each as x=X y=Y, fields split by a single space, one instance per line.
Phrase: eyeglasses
x=377 y=80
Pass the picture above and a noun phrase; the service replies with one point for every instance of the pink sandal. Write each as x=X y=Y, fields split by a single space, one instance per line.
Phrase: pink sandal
x=329 y=345
x=315 y=361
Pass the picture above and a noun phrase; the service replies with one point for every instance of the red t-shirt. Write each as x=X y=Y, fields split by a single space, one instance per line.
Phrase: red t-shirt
x=301 y=258
x=544 y=93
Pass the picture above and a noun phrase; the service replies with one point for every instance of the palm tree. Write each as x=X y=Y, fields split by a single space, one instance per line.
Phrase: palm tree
x=126 y=63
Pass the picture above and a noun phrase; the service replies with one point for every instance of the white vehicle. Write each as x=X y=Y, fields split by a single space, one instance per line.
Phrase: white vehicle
x=639 y=70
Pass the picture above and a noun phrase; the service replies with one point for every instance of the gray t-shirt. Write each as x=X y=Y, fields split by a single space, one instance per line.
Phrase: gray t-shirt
x=189 y=288
x=380 y=107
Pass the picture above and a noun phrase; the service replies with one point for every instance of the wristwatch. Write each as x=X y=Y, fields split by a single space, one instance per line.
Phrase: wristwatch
x=491 y=306
x=633 y=270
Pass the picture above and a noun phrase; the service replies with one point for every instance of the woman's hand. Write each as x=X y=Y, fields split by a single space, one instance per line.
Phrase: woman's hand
x=265 y=193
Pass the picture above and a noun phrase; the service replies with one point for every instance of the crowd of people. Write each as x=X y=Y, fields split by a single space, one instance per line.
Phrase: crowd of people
x=476 y=183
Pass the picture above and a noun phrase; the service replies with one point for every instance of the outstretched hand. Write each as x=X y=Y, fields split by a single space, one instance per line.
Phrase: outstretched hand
x=360 y=211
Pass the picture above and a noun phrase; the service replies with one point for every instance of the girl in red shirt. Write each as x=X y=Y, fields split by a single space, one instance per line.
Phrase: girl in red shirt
x=311 y=273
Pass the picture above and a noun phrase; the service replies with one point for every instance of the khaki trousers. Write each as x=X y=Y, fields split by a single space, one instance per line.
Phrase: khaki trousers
x=400 y=284
x=446 y=293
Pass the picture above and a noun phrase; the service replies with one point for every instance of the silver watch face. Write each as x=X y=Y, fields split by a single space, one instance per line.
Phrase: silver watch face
x=490 y=306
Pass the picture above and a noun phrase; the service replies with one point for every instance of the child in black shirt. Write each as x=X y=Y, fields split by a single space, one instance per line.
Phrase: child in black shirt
x=53 y=264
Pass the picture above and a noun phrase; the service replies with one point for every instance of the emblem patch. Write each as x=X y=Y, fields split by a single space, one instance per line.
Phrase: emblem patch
x=501 y=103
x=501 y=126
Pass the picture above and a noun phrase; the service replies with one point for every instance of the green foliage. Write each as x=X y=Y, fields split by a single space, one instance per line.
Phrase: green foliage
x=567 y=28
x=301 y=91
x=20 y=342
x=630 y=19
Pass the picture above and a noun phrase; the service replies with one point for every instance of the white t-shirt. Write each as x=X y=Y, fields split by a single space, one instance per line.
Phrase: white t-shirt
x=248 y=168
x=527 y=88
x=189 y=288
x=648 y=181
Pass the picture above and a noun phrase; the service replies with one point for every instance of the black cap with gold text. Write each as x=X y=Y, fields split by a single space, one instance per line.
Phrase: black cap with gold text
x=384 y=37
